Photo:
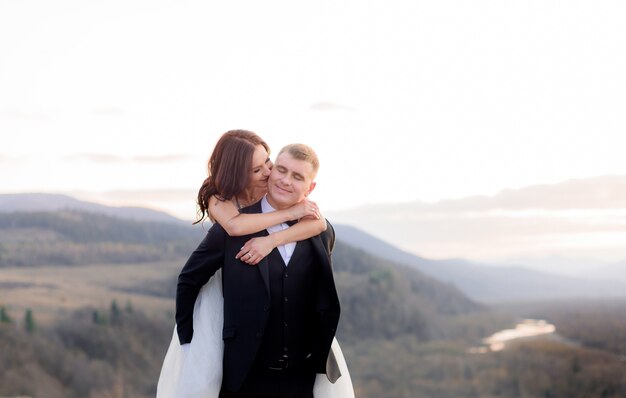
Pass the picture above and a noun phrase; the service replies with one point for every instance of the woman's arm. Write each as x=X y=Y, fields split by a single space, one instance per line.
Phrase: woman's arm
x=257 y=248
x=238 y=224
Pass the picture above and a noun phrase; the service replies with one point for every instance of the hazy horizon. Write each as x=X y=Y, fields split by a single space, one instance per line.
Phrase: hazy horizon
x=572 y=228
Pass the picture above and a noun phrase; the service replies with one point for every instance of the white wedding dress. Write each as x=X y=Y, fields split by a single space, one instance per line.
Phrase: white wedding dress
x=197 y=371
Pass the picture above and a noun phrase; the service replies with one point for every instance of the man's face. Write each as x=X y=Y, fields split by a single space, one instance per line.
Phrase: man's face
x=290 y=181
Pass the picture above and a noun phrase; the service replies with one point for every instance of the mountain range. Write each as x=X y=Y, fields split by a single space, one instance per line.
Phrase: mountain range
x=488 y=283
x=480 y=282
x=29 y=202
x=571 y=228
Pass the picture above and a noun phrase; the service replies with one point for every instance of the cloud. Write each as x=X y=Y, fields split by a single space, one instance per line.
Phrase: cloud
x=111 y=158
x=329 y=106
x=109 y=111
x=29 y=116
x=160 y=158
x=595 y=193
x=96 y=157
x=164 y=195
x=178 y=202
x=589 y=193
x=7 y=158
x=561 y=218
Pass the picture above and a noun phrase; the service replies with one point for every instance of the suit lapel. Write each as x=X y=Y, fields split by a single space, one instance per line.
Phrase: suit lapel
x=264 y=269
x=262 y=266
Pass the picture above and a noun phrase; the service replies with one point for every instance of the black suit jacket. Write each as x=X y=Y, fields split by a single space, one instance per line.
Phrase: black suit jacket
x=246 y=300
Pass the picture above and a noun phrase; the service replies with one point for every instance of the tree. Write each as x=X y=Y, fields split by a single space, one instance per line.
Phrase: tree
x=4 y=317
x=115 y=312
x=29 y=321
x=97 y=318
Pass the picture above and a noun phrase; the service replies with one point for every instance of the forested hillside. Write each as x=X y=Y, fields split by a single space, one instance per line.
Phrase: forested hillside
x=98 y=353
x=381 y=300
x=71 y=237
x=117 y=352
x=404 y=334
x=414 y=303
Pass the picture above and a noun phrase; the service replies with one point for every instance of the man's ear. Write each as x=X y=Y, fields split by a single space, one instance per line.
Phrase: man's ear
x=311 y=187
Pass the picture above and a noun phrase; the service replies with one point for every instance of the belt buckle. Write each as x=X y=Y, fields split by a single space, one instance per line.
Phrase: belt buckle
x=281 y=364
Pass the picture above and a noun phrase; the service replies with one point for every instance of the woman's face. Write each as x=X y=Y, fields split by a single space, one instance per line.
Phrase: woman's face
x=261 y=167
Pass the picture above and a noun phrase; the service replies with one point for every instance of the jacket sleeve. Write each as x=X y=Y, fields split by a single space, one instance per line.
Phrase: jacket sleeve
x=199 y=268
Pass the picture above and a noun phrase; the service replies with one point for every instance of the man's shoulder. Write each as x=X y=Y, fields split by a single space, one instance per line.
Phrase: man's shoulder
x=328 y=237
x=330 y=231
x=216 y=231
x=253 y=208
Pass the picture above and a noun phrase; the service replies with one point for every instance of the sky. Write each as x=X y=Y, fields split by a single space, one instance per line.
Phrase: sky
x=122 y=101
x=575 y=228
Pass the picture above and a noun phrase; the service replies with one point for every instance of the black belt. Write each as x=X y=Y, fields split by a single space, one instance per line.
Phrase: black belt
x=281 y=364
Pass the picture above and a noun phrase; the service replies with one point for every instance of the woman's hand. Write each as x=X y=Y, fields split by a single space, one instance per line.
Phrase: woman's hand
x=305 y=208
x=255 y=250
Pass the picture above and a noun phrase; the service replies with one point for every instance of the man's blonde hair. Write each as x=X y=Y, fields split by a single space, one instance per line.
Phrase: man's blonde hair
x=302 y=152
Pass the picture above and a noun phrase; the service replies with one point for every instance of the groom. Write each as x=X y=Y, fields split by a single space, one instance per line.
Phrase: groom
x=280 y=316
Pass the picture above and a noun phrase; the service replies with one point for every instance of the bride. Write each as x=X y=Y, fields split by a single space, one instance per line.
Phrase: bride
x=238 y=171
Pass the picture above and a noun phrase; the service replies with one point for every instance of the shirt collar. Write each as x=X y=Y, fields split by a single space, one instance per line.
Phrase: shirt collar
x=266 y=207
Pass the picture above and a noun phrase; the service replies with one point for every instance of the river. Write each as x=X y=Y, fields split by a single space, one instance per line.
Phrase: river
x=525 y=329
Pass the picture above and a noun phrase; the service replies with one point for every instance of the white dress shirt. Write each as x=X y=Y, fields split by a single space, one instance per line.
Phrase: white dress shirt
x=285 y=250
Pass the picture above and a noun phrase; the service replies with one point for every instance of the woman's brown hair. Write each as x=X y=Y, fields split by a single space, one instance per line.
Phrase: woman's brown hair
x=228 y=168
